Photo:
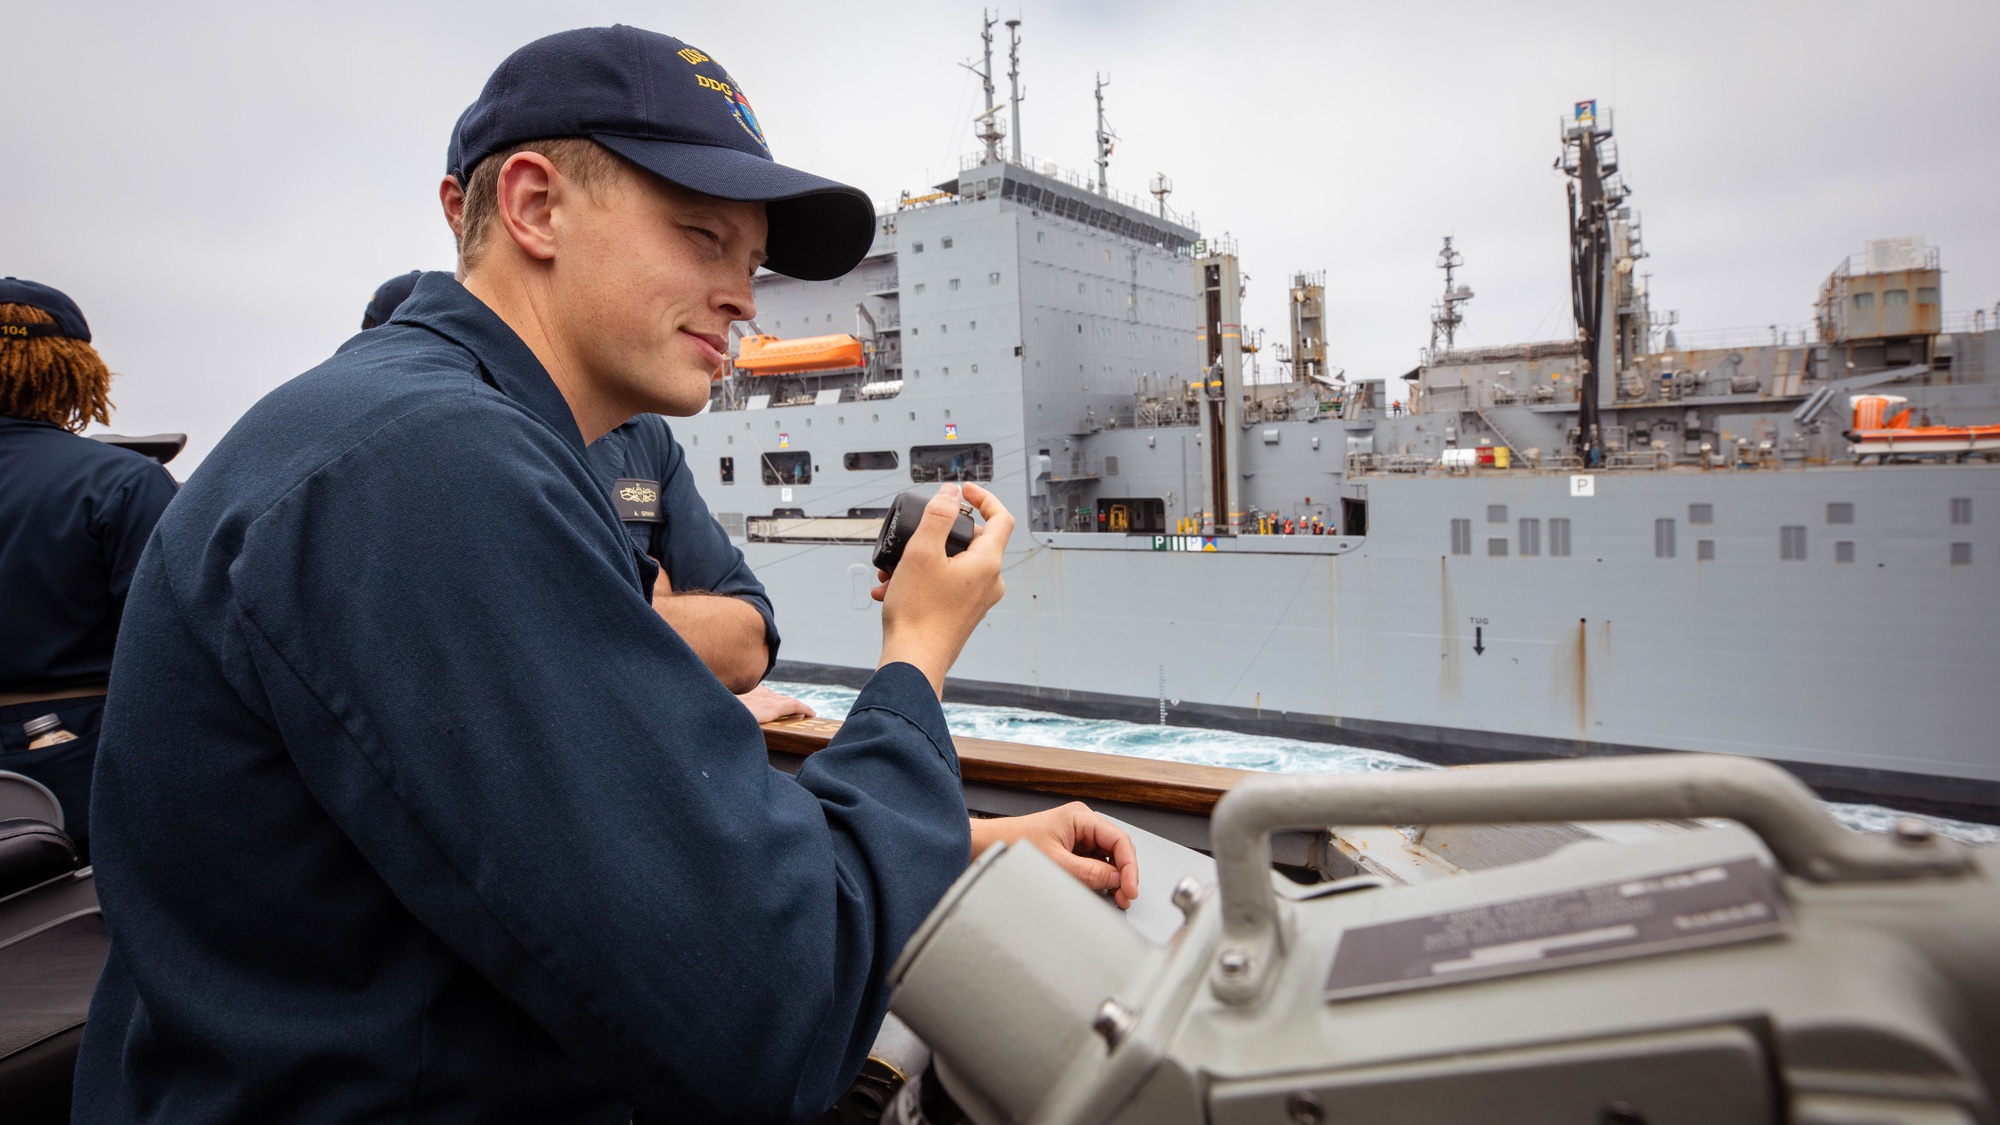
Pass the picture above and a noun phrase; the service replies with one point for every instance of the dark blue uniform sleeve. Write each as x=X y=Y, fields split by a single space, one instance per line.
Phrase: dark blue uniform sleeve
x=125 y=521
x=481 y=716
x=696 y=551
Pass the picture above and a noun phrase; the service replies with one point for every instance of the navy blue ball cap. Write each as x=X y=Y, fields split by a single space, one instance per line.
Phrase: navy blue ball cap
x=56 y=303
x=674 y=111
x=388 y=295
x=454 y=153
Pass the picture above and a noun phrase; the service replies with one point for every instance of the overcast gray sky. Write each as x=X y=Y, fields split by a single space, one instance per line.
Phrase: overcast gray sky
x=222 y=186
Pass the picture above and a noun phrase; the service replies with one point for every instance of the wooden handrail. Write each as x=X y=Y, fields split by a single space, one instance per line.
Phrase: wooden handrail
x=1084 y=774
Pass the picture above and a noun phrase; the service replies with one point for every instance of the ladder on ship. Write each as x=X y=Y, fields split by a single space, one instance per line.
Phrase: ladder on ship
x=1497 y=431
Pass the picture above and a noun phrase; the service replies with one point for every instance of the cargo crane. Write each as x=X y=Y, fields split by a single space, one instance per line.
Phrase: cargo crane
x=1589 y=156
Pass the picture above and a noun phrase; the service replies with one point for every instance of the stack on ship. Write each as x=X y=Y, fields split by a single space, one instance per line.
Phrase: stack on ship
x=1785 y=547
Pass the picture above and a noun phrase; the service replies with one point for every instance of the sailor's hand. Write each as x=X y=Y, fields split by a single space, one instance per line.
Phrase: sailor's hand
x=935 y=602
x=1086 y=845
x=767 y=706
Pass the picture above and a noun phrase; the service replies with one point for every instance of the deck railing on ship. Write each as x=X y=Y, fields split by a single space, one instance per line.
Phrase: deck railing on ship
x=1170 y=799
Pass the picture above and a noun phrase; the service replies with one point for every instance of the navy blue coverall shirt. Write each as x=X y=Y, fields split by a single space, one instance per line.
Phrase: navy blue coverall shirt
x=410 y=808
x=646 y=472
x=74 y=515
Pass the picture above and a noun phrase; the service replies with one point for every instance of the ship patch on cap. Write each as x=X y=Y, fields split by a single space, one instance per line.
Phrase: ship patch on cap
x=739 y=106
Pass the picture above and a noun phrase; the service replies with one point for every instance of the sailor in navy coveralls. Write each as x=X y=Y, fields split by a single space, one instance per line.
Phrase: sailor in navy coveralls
x=410 y=807
x=74 y=515
x=674 y=528
x=645 y=471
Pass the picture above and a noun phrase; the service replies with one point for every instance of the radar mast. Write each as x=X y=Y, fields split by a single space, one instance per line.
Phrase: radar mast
x=1106 y=139
x=1014 y=94
x=990 y=130
x=1445 y=315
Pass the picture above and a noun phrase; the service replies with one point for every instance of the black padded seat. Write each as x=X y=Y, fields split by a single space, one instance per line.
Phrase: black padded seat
x=52 y=948
x=45 y=986
x=31 y=852
x=23 y=796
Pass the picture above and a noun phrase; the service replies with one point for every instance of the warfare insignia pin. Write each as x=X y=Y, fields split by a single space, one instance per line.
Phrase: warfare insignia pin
x=637 y=501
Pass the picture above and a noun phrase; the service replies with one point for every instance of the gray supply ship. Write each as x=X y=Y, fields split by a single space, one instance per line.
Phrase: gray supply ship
x=1786 y=548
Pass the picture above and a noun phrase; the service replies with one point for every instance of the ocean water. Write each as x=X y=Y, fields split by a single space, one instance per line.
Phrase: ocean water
x=1249 y=751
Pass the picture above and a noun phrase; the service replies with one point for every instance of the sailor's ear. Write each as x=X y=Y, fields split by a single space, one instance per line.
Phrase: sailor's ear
x=451 y=198
x=526 y=195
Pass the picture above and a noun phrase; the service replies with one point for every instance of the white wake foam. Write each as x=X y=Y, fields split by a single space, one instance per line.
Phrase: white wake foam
x=1250 y=751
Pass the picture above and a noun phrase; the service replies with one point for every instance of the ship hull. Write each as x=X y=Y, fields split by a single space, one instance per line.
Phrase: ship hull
x=1866 y=668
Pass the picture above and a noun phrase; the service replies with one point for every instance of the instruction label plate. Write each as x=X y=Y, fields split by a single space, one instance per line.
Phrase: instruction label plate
x=1736 y=900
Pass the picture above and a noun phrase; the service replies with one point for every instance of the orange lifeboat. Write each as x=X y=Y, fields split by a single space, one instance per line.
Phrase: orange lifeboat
x=769 y=355
x=1876 y=434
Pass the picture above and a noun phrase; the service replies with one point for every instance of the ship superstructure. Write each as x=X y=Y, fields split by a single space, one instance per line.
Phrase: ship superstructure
x=1621 y=541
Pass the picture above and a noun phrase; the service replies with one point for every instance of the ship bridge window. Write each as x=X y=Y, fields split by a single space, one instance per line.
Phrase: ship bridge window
x=1864 y=302
x=872 y=459
x=1927 y=295
x=787 y=468
x=728 y=465
x=968 y=461
x=1895 y=298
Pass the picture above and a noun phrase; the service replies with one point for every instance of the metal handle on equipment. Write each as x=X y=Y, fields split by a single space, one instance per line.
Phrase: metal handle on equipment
x=1804 y=837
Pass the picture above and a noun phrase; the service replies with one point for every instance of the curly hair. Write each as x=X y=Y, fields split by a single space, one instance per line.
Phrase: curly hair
x=51 y=379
